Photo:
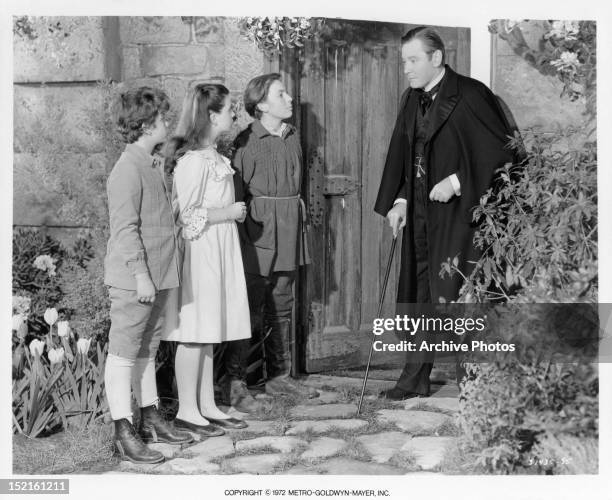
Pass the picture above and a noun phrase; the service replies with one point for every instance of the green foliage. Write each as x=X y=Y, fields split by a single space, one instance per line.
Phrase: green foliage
x=566 y=454
x=566 y=50
x=41 y=286
x=34 y=410
x=85 y=298
x=506 y=405
x=74 y=286
x=538 y=234
x=538 y=230
x=67 y=392
x=71 y=183
x=271 y=34
x=80 y=394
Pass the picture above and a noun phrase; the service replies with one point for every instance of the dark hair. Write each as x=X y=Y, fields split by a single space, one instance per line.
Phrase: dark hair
x=138 y=108
x=194 y=123
x=257 y=91
x=430 y=38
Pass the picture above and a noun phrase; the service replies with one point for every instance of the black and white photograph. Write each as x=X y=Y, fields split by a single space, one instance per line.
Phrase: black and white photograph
x=338 y=251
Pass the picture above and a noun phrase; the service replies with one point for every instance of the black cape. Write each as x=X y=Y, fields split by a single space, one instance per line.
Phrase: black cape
x=467 y=135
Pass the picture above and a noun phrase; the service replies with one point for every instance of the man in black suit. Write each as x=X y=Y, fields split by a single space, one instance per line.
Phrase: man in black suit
x=449 y=138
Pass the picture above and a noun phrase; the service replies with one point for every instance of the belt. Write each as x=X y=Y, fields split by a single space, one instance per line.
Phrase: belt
x=294 y=197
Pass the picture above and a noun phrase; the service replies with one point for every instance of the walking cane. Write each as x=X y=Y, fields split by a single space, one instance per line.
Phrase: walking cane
x=380 y=306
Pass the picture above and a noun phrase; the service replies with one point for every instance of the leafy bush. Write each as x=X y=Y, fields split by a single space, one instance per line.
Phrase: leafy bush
x=39 y=285
x=538 y=234
x=85 y=298
x=508 y=405
x=538 y=230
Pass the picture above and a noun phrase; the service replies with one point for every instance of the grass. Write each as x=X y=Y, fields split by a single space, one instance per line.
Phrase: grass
x=459 y=460
x=87 y=451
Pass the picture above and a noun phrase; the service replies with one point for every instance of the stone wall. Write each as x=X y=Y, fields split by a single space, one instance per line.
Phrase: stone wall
x=58 y=64
x=533 y=98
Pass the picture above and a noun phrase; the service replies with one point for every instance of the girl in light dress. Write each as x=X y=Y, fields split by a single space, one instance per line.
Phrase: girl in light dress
x=211 y=305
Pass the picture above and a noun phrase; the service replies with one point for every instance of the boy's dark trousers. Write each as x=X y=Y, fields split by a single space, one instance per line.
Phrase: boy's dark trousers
x=271 y=305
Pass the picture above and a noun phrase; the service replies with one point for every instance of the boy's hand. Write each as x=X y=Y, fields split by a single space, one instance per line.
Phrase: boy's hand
x=145 y=289
x=237 y=211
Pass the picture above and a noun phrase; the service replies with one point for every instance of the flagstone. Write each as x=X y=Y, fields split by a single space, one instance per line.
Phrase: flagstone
x=428 y=451
x=188 y=466
x=167 y=450
x=323 y=447
x=284 y=444
x=256 y=464
x=336 y=410
x=259 y=427
x=382 y=446
x=442 y=403
x=342 y=465
x=413 y=421
x=318 y=381
x=214 y=447
x=322 y=426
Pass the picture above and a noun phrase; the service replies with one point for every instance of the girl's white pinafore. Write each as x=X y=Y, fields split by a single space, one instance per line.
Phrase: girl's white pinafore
x=211 y=305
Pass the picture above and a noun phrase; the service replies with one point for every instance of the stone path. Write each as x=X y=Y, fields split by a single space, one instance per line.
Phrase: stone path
x=325 y=436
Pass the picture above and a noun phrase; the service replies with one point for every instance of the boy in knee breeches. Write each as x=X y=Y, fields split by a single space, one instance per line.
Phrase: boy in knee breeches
x=141 y=267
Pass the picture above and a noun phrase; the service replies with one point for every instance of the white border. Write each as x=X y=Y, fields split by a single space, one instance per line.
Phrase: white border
x=474 y=14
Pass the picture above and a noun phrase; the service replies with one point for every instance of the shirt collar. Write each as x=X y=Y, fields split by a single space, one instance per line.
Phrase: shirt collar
x=139 y=155
x=262 y=131
x=435 y=81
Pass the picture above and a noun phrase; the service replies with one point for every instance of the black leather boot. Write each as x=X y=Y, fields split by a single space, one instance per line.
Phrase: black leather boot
x=278 y=351
x=131 y=447
x=156 y=429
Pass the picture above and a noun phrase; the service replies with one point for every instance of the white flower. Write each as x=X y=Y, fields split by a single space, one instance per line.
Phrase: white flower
x=18 y=320
x=259 y=33
x=21 y=305
x=567 y=61
x=50 y=316
x=83 y=345
x=56 y=355
x=564 y=29
x=36 y=347
x=45 y=263
x=570 y=58
x=63 y=328
x=304 y=23
x=20 y=325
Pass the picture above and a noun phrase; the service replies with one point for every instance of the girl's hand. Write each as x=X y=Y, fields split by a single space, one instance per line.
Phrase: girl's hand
x=237 y=211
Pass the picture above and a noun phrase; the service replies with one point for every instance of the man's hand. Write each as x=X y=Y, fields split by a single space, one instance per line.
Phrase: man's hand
x=442 y=191
x=397 y=217
x=145 y=289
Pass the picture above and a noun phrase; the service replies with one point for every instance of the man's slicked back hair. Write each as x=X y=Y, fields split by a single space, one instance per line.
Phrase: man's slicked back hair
x=430 y=38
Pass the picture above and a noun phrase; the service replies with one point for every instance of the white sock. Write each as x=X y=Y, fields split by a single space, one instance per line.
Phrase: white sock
x=187 y=370
x=144 y=383
x=117 y=376
x=208 y=407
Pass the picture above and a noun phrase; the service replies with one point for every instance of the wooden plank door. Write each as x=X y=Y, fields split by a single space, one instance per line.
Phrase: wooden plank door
x=349 y=86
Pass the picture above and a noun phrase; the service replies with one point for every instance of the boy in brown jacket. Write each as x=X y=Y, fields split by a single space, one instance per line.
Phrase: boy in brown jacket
x=141 y=266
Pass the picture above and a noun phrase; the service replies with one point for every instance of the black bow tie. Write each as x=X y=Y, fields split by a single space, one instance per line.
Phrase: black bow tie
x=426 y=97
